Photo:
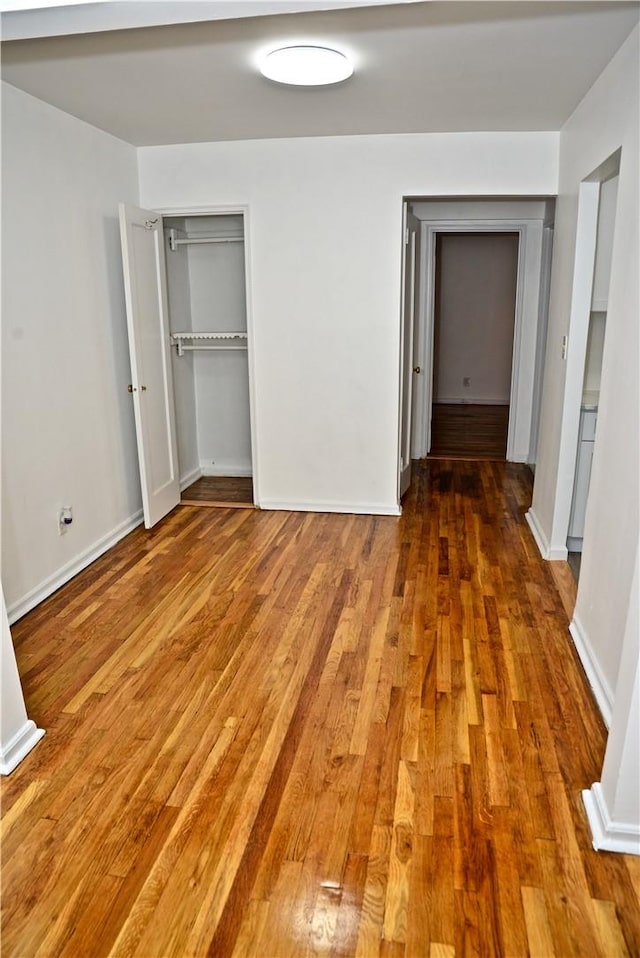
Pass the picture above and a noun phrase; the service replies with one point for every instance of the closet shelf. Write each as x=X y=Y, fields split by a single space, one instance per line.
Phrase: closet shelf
x=175 y=241
x=220 y=341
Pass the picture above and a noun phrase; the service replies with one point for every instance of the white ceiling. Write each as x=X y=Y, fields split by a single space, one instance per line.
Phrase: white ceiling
x=21 y=19
x=420 y=67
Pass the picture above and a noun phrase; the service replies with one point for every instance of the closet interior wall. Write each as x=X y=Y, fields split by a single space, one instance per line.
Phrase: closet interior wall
x=207 y=294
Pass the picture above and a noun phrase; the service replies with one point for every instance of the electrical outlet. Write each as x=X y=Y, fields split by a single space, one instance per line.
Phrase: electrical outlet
x=466 y=381
x=65 y=518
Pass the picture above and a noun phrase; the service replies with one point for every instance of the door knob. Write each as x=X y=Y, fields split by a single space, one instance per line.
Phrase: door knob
x=131 y=389
x=417 y=369
x=143 y=389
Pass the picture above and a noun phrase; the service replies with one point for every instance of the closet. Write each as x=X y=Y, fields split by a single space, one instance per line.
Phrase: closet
x=206 y=292
x=185 y=284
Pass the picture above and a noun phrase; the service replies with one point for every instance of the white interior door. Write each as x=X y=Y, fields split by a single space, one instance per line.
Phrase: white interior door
x=406 y=346
x=152 y=385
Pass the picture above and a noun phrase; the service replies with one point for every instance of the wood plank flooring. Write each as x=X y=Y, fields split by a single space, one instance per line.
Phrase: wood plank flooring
x=279 y=734
x=235 y=492
x=469 y=431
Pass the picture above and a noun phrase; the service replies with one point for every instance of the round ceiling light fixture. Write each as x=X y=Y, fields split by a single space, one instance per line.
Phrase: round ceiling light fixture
x=306 y=66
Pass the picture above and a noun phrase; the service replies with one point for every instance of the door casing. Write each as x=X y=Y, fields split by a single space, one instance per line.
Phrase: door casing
x=239 y=209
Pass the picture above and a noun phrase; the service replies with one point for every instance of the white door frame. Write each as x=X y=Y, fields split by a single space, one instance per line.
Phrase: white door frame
x=407 y=332
x=575 y=356
x=237 y=209
x=525 y=333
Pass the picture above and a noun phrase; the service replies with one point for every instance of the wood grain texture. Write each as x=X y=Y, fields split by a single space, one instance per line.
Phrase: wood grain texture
x=469 y=431
x=219 y=491
x=286 y=734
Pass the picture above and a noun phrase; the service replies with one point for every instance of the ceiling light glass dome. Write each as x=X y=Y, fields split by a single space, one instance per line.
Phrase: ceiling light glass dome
x=306 y=66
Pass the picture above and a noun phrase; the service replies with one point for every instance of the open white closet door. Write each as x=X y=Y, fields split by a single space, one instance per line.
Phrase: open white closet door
x=406 y=349
x=152 y=385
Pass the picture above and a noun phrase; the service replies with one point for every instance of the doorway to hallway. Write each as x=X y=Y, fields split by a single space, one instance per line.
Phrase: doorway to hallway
x=476 y=277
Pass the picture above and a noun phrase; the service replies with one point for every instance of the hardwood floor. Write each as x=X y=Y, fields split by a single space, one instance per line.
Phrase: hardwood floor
x=286 y=734
x=469 y=431
x=235 y=492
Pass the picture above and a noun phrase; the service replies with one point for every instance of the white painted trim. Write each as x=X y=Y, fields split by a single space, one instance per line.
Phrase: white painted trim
x=190 y=477
x=348 y=508
x=224 y=469
x=578 y=330
x=53 y=582
x=608 y=835
x=19 y=746
x=238 y=209
x=541 y=540
x=403 y=273
x=597 y=680
x=541 y=338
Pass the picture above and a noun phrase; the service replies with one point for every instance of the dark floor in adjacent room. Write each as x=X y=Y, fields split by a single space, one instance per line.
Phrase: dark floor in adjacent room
x=469 y=431
x=232 y=491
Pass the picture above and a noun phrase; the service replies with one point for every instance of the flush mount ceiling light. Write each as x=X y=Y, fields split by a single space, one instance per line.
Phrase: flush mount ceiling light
x=306 y=66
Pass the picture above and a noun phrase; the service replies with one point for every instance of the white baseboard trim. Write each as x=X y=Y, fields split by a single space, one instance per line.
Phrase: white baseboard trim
x=189 y=477
x=541 y=540
x=233 y=470
x=601 y=689
x=348 y=508
x=609 y=836
x=53 y=582
x=20 y=745
x=538 y=533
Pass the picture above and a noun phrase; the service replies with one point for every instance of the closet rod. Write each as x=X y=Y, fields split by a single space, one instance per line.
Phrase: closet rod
x=175 y=241
x=221 y=349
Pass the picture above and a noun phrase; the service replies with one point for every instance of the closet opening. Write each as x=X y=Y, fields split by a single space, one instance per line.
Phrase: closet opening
x=187 y=294
x=207 y=307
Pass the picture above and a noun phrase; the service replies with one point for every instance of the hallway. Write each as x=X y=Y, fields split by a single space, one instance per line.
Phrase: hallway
x=285 y=734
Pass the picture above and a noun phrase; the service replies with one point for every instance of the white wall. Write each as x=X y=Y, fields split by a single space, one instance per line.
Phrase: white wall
x=475 y=314
x=67 y=422
x=595 y=352
x=605 y=120
x=497 y=209
x=325 y=229
x=604 y=243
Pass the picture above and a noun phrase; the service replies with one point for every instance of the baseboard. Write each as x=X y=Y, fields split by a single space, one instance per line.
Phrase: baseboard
x=470 y=401
x=233 y=470
x=53 y=582
x=190 y=477
x=348 y=508
x=541 y=540
x=609 y=836
x=19 y=746
x=601 y=690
